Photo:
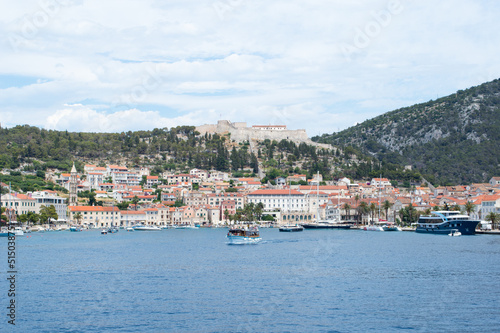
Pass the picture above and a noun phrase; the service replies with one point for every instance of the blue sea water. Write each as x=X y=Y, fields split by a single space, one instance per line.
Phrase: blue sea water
x=312 y=281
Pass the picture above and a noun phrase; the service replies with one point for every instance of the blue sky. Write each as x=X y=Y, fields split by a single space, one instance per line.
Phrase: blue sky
x=112 y=66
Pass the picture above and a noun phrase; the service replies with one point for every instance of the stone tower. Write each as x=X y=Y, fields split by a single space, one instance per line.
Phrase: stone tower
x=73 y=199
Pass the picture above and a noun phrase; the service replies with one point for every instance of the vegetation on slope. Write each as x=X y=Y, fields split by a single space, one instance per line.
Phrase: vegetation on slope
x=452 y=140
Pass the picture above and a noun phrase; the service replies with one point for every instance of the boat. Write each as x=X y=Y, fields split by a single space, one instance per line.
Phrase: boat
x=104 y=232
x=455 y=233
x=372 y=227
x=112 y=230
x=326 y=225
x=75 y=229
x=130 y=229
x=37 y=229
x=187 y=227
x=443 y=222
x=291 y=228
x=7 y=232
x=142 y=227
x=391 y=227
x=382 y=226
x=243 y=235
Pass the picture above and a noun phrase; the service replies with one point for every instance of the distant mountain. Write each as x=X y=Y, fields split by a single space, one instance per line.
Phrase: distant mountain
x=455 y=139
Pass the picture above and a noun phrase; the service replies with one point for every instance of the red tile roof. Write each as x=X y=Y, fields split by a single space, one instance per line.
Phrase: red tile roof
x=276 y=192
x=92 y=209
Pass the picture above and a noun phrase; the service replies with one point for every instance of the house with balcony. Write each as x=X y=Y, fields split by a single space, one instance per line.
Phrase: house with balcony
x=129 y=218
x=152 y=180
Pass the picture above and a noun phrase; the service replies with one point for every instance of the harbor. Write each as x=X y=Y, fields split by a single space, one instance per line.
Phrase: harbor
x=316 y=280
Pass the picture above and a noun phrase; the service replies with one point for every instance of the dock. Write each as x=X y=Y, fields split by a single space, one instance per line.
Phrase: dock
x=488 y=232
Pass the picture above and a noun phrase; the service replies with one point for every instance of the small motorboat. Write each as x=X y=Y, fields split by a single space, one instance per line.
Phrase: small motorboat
x=104 y=232
x=188 y=226
x=455 y=233
x=373 y=228
x=142 y=227
x=291 y=228
x=7 y=232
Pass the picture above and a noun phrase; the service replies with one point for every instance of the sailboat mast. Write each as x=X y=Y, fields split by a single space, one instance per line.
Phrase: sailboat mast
x=317 y=195
x=338 y=205
x=379 y=187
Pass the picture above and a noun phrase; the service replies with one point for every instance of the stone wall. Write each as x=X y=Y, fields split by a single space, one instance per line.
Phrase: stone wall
x=240 y=132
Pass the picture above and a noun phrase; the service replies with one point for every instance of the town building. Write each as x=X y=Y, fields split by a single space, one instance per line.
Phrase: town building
x=95 y=216
x=50 y=198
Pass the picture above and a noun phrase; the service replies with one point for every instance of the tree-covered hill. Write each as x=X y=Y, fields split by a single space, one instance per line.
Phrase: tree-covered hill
x=31 y=149
x=452 y=140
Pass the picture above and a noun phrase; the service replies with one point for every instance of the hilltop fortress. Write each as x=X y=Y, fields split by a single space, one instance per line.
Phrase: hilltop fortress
x=240 y=132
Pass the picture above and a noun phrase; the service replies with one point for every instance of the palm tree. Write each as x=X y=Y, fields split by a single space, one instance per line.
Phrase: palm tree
x=373 y=209
x=226 y=214
x=347 y=208
x=362 y=210
x=427 y=211
x=258 y=210
x=3 y=217
x=386 y=205
x=402 y=213
x=412 y=212
x=78 y=217
x=248 y=211
x=469 y=207
x=356 y=199
x=494 y=218
x=135 y=201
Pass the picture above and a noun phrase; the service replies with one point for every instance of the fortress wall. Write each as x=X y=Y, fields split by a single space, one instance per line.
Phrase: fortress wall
x=278 y=135
x=240 y=125
x=240 y=132
x=207 y=128
x=224 y=126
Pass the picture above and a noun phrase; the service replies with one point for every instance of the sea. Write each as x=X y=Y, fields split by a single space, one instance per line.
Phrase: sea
x=187 y=280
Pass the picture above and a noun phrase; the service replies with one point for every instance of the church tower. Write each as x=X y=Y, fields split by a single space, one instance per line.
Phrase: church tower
x=73 y=198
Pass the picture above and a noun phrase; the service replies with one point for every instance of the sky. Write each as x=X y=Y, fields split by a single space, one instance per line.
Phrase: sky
x=318 y=65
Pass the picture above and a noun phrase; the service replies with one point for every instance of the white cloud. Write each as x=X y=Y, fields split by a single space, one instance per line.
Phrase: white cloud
x=188 y=61
x=81 y=118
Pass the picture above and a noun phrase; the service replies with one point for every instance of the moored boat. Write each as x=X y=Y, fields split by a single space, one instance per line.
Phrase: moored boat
x=6 y=232
x=391 y=227
x=291 y=228
x=372 y=227
x=244 y=235
x=188 y=226
x=142 y=227
x=455 y=233
x=443 y=222
x=75 y=229
x=326 y=225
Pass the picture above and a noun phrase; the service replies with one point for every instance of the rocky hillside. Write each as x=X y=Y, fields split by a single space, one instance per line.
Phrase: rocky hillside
x=455 y=139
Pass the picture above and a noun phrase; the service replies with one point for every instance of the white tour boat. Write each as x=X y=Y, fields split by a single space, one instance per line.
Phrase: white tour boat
x=246 y=235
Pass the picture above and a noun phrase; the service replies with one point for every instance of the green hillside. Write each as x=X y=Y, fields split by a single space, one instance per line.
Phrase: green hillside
x=452 y=140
